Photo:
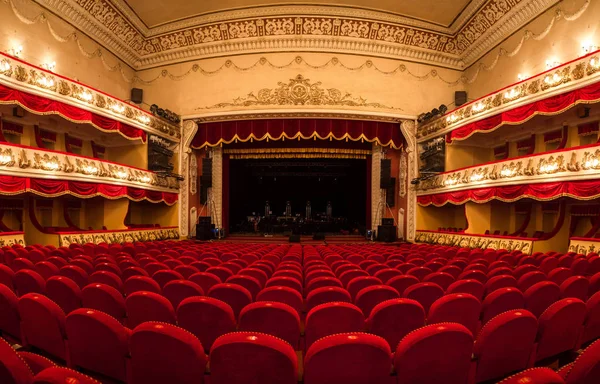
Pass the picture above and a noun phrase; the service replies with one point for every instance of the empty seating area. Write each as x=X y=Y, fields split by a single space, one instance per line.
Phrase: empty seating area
x=186 y=312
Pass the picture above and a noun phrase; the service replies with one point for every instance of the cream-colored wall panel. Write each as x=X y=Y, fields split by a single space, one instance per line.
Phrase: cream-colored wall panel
x=407 y=88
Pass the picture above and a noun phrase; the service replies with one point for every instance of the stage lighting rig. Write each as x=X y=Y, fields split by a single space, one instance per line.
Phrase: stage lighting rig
x=165 y=114
x=433 y=114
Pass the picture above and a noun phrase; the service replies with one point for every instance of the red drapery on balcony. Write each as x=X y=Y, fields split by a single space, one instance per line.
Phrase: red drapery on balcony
x=213 y=134
x=579 y=190
x=12 y=185
x=44 y=106
x=549 y=106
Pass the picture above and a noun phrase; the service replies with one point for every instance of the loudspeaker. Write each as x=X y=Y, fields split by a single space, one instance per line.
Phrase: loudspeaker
x=390 y=194
x=203 y=194
x=460 y=98
x=386 y=233
x=204 y=220
x=203 y=232
x=18 y=111
x=137 y=95
x=206 y=178
x=319 y=236
x=294 y=238
x=387 y=221
x=386 y=173
x=583 y=112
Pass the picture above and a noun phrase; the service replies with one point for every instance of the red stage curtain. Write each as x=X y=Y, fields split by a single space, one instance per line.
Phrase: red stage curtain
x=10 y=185
x=213 y=134
x=588 y=129
x=581 y=190
x=72 y=142
x=97 y=150
x=43 y=106
x=501 y=152
x=551 y=105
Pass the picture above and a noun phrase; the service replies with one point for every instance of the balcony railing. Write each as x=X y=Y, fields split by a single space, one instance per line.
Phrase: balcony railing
x=463 y=240
x=23 y=161
x=579 y=163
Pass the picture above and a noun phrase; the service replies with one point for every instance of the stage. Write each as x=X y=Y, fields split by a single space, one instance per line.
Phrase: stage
x=304 y=240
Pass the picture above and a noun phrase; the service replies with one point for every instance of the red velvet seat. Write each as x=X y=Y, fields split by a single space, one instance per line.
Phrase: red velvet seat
x=139 y=283
x=559 y=275
x=13 y=369
x=22 y=263
x=442 y=279
x=29 y=281
x=37 y=363
x=348 y=358
x=7 y=276
x=9 y=320
x=534 y=376
x=313 y=274
x=107 y=278
x=501 y=300
x=42 y=324
x=84 y=264
x=460 y=308
x=540 y=296
x=434 y=352
x=470 y=286
x=386 y=274
x=473 y=275
x=165 y=276
x=207 y=318
x=97 y=342
x=586 y=369
x=424 y=293
x=284 y=281
x=367 y=298
x=591 y=323
x=234 y=295
x=560 y=328
x=419 y=272
x=505 y=344
x=284 y=295
x=401 y=283
x=331 y=318
x=394 y=319
x=523 y=269
x=46 y=269
x=178 y=290
x=249 y=357
x=358 y=283
x=497 y=282
x=104 y=298
x=528 y=279
x=62 y=375
x=75 y=273
x=348 y=275
x=148 y=306
x=133 y=271
x=205 y=280
x=272 y=318
x=256 y=272
x=154 y=267
x=164 y=353
x=575 y=286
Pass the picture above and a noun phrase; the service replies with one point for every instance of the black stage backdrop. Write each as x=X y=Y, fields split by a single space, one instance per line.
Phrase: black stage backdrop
x=343 y=182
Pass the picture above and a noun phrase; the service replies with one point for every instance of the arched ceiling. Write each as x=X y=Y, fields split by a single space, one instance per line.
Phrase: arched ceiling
x=151 y=33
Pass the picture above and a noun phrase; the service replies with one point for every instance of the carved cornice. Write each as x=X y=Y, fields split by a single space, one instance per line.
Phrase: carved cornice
x=118 y=237
x=23 y=161
x=474 y=241
x=567 y=77
x=19 y=75
x=563 y=165
x=297 y=114
x=298 y=28
x=300 y=91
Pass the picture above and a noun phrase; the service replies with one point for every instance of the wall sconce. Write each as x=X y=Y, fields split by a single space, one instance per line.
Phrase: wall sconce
x=4 y=66
x=451 y=119
x=507 y=172
x=86 y=95
x=145 y=179
x=552 y=64
x=45 y=81
x=450 y=182
x=90 y=170
x=592 y=163
x=49 y=66
x=476 y=177
x=119 y=108
x=16 y=51
x=552 y=79
x=5 y=158
x=51 y=165
x=478 y=107
x=549 y=167
x=512 y=94
x=595 y=63
x=121 y=174
x=144 y=119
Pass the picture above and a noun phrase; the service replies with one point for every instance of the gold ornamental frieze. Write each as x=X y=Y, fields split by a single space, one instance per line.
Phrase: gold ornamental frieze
x=474 y=241
x=119 y=236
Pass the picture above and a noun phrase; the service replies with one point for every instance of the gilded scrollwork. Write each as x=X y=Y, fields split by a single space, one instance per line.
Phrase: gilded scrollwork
x=120 y=236
x=6 y=157
x=473 y=241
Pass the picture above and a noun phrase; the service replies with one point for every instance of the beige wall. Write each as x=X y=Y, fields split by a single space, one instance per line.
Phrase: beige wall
x=563 y=43
x=40 y=46
x=401 y=90
x=133 y=155
x=460 y=156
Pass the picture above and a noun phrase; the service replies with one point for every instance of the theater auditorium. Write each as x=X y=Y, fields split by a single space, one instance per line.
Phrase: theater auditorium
x=300 y=192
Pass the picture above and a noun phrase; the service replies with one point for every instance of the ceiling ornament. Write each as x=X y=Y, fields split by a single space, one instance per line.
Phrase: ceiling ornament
x=300 y=91
x=298 y=60
x=318 y=32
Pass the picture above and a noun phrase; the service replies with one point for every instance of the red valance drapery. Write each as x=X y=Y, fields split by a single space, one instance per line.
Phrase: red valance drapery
x=550 y=106
x=213 y=134
x=579 y=190
x=12 y=185
x=44 y=106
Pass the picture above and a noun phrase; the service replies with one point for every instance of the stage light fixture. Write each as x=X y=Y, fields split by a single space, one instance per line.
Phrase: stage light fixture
x=443 y=109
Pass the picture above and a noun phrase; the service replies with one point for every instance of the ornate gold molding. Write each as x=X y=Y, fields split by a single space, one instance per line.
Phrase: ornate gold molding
x=35 y=162
x=584 y=246
x=474 y=241
x=119 y=236
x=300 y=91
x=12 y=238
x=19 y=75
x=333 y=28
x=562 y=165
x=565 y=78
